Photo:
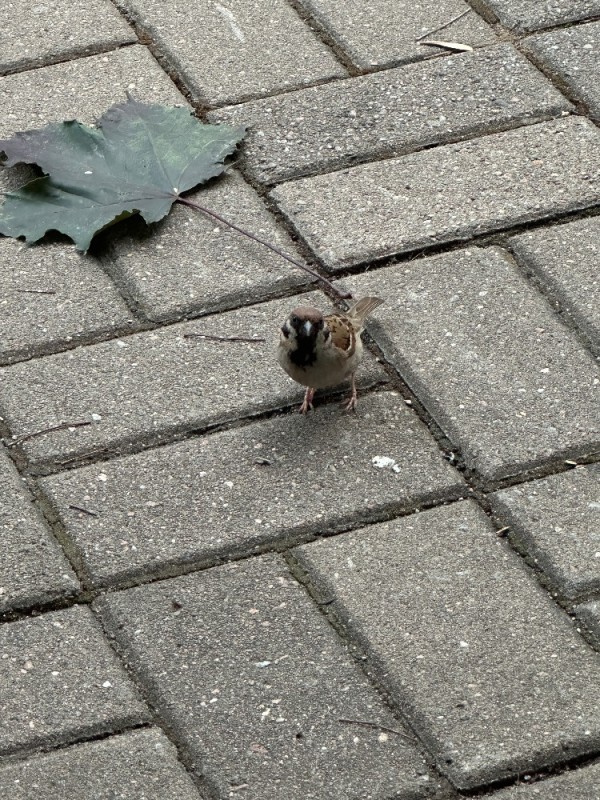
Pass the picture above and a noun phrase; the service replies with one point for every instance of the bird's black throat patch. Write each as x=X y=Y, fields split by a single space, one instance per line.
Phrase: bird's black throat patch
x=305 y=354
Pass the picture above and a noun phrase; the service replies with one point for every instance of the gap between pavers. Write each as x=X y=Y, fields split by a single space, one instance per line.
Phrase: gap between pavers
x=484 y=352
x=391 y=112
x=150 y=386
x=134 y=765
x=61 y=682
x=490 y=672
x=267 y=484
x=259 y=690
x=33 y=569
x=449 y=193
x=556 y=521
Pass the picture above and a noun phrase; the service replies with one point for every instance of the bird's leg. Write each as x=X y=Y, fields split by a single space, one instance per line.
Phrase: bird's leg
x=350 y=405
x=308 y=398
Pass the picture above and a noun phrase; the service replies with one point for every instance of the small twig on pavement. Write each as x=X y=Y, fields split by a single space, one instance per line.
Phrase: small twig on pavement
x=445 y=25
x=212 y=338
x=376 y=726
x=36 y=291
x=83 y=510
x=63 y=426
x=339 y=292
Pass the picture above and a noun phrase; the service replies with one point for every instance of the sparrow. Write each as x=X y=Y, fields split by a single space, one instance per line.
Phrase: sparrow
x=320 y=351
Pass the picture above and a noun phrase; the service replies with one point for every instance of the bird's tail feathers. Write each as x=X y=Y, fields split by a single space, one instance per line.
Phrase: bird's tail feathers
x=361 y=309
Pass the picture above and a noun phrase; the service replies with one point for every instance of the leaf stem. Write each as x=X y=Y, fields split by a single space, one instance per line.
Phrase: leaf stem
x=340 y=293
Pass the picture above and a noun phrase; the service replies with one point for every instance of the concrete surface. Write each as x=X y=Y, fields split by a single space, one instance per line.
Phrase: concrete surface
x=52 y=296
x=557 y=522
x=458 y=629
x=566 y=259
x=530 y=15
x=386 y=32
x=445 y=194
x=247 y=49
x=119 y=388
x=34 y=34
x=207 y=496
x=131 y=766
x=508 y=383
x=153 y=642
x=258 y=657
x=61 y=681
x=570 y=53
x=208 y=268
x=390 y=112
x=33 y=569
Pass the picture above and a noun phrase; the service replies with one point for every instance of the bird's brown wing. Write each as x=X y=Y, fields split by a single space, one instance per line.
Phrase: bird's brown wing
x=343 y=334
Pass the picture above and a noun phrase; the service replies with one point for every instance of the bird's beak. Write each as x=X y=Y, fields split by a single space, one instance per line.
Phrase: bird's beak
x=307 y=328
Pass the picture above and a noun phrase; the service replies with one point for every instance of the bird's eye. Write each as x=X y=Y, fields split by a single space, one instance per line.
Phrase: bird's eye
x=285 y=331
x=326 y=334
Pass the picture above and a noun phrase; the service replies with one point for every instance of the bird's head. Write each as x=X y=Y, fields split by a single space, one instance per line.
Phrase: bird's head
x=303 y=333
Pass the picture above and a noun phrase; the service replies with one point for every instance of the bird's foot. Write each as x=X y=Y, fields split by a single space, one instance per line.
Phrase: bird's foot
x=352 y=402
x=307 y=404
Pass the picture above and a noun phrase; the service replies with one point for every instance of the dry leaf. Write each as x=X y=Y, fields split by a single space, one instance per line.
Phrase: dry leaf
x=460 y=48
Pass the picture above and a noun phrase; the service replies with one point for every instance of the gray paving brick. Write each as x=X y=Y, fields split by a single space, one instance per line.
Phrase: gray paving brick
x=191 y=264
x=390 y=112
x=212 y=497
x=134 y=766
x=32 y=569
x=61 y=681
x=531 y=15
x=34 y=34
x=572 y=54
x=566 y=258
x=83 y=301
x=589 y=614
x=242 y=648
x=245 y=51
x=510 y=385
x=557 y=522
x=447 y=193
x=580 y=784
x=154 y=384
x=491 y=673
x=81 y=89
x=385 y=32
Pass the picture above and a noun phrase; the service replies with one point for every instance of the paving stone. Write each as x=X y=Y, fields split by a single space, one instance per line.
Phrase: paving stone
x=61 y=681
x=580 y=784
x=155 y=384
x=33 y=570
x=248 y=50
x=138 y=764
x=390 y=112
x=53 y=295
x=566 y=258
x=242 y=648
x=271 y=482
x=491 y=673
x=385 y=32
x=34 y=34
x=190 y=264
x=526 y=15
x=589 y=614
x=447 y=193
x=557 y=522
x=509 y=384
x=572 y=54
x=81 y=89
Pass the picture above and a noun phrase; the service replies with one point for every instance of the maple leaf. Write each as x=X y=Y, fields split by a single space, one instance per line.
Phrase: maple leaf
x=138 y=159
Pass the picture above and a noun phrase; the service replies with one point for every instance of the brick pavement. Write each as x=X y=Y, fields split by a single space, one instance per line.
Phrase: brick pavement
x=205 y=595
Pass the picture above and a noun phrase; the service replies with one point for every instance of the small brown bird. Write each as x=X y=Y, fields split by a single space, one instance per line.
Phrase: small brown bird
x=320 y=351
